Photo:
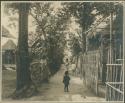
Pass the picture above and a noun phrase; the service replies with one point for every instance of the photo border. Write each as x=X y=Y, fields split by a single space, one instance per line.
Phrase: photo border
x=63 y=101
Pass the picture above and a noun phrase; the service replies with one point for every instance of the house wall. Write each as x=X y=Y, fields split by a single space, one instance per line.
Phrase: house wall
x=8 y=57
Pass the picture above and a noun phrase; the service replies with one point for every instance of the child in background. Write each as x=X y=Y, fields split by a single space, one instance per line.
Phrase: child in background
x=66 y=80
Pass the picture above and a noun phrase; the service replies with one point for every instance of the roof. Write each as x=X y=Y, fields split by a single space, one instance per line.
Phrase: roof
x=9 y=45
x=103 y=27
x=6 y=33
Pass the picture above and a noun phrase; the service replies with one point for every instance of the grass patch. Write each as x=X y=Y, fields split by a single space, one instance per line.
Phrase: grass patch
x=8 y=83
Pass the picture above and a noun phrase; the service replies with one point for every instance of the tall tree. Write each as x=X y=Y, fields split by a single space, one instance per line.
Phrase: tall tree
x=23 y=73
x=23 y=80
x=51 y=38
x=82 y=12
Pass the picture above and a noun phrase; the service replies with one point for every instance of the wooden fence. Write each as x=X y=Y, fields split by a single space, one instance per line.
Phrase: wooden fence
x=114 y=84
x=114 y=91
x=91 y=69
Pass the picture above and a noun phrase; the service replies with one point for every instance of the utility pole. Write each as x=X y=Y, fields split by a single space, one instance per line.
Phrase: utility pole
x=111 y=47
x=111 y=37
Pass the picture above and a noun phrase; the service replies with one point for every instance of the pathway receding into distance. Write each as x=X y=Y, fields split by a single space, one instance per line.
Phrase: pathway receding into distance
x=54 y=90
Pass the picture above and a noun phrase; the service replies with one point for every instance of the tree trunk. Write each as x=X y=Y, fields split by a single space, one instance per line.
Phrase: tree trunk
x=77 y=58
x=83 y=42
x=23 y=72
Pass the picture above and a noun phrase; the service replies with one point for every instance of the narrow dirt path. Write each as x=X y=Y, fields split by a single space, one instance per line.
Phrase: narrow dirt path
x=54 y=90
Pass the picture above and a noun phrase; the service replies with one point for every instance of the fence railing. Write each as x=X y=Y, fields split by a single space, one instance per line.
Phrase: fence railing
x=114 y=91
x=114 y=84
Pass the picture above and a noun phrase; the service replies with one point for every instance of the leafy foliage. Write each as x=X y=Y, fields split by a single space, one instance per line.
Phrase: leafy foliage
x=50 y=30
x=83 y=12
x=76 y=46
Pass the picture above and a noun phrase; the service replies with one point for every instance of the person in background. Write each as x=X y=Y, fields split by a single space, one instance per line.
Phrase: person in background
x=66 y=80
x=67 y=64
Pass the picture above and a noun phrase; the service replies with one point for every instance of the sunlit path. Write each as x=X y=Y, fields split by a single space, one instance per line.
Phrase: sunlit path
x=53 y=91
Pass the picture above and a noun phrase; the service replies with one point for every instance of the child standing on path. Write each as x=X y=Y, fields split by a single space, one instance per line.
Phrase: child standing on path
x=66 y=80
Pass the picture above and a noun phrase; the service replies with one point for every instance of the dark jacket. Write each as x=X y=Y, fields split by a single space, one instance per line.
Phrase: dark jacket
x=66 y=79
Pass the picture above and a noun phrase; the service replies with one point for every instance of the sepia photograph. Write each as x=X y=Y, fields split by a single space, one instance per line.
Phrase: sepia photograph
x=62 y=51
